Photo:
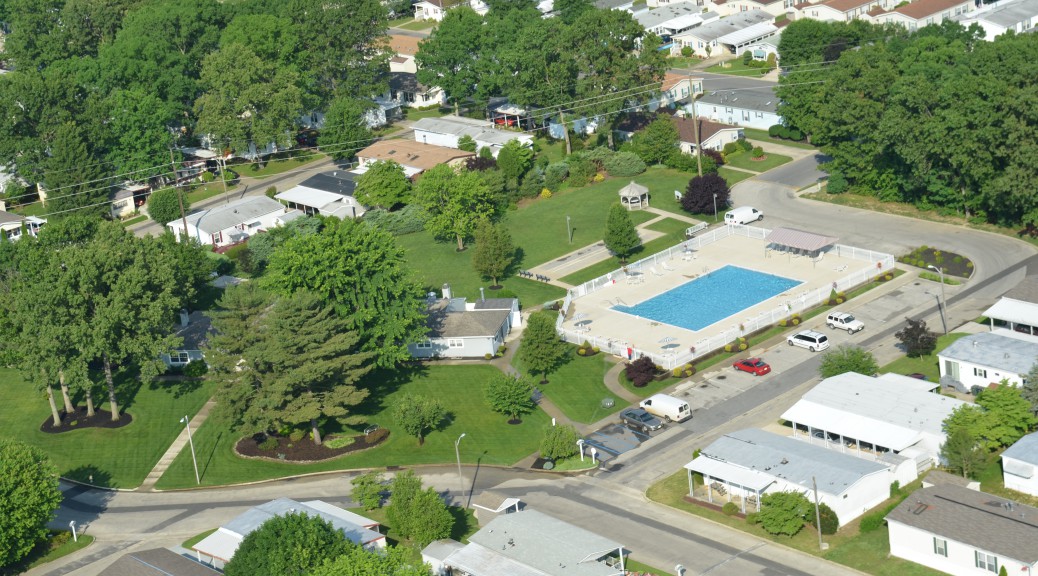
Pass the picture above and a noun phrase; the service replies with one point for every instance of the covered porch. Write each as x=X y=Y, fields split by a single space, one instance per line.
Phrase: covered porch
x=724 y=482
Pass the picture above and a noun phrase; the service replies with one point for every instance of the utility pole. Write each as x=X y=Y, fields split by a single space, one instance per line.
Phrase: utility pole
x=818 y=514
x=695 y=126
x=180 y=195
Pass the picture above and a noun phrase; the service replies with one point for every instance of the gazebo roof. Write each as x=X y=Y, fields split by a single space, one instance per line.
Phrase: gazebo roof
x=800 y=239
x=633 y=190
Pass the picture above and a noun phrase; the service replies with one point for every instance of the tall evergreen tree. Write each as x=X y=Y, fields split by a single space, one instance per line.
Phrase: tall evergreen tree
x=621 y=237
x=541 y=351
x=73 y=177
x=494 y=252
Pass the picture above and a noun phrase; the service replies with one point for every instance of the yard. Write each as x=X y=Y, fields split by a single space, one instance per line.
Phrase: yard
x=927 y=365
x=735 y=67
x=490 y=439
x=763 y=136
x=119 y=457
x=675 y=233
x=278 y=166
x=746 y=162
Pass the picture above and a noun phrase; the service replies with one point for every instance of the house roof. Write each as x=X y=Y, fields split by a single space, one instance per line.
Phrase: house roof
x=406 y=45
x=413 y=154
x=707 y=129
x=1000 y=349
x=406 y=82
x=674 y=15
x=937 y=477
x=9 y=218
x=157 y=562
x=1027 y=289
x=714 y=30
x=309 y=197
x=891 y=410
x=494 y=304
x=441 y=549
x=761 y=99
x=634 y=121
x=1012 y=13
x=1025 y=449
x=993 y=524
x=339 y=182
x=457 y=125
x=794 y=238
x=445 y=321
x=792 y=460
x=545 y=544
x=229 y=215
x=634 y=190
x=613 y=4
x=1015 y=311
x=748 y=34
x=919 y=9
x=845 y=5
x=670 y=80
x=197 y=331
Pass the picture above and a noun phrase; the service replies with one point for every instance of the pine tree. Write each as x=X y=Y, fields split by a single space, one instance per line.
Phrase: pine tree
x=621 y=237
x=541 y=351
x=494 y=252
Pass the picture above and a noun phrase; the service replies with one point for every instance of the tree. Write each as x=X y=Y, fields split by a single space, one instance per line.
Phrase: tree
x=269 y=36
x=29 y=498
x=467 y=143
x=514 y=159
x=291 y=544
x=1009 y=414
x=417 y=514
x=345 y=130
x=368 y=489
x=456 y=202
x=699 y=195
x=510 y=395
x=446 y=58
x=975 y=420
x=164 y=205
x=356 y=561
x=494 y=252
x=361 y=271
x=541 y=351
x=138 y=131
x=236 y=330
x=830 y=521
x=657 y=142
x=72 y=176
x=961 y=452
x=559 y=442
x=847 y=358
x=1029 y=389
x=621 y=237
x=570 y=10
x=784 y=512
x=417 y=415
x=384 y=185
x=916 y=338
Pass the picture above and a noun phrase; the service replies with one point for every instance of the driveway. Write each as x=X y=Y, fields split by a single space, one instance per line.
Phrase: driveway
x=798 y=173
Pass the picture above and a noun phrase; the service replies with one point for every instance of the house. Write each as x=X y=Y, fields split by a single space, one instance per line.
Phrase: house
x=128 y=198
x=436 y=9
x=458 y=329
x=752 y=463
x=750 y=108
x=233 y=222
x=12 y=226
x=408 y=92
x=871 y=416
x=625 y=5
x=1017 y=309
x=157 y=562
x=920 y=13
x=763 y=50
x=675 y=89
x=727 y=34
x=713 y=135
x=447 y=130
x=841 y=10
x=988 y=358
x=1019 y=462
x=404 y=49
x=731 y=7
x=218 y=548
x=670 y=19
x=997 y=18
x=961 y=531
x=415 y=157
x=194 y=329
x=326 y=194
x=528 y=543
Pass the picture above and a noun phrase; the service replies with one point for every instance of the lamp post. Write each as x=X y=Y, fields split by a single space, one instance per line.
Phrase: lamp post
x=943 y=304
x=715 y=208
x=569 y=231
x=457 y=454
x=187 y=424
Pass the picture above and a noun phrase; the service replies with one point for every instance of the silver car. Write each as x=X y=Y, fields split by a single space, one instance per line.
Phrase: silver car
x=639 y=419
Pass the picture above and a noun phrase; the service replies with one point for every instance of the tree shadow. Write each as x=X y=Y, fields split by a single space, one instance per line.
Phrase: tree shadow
x=179 y=385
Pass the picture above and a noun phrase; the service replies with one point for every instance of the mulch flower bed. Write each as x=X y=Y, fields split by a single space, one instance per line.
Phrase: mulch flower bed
x=304 y=450
x=79 y=420
x=953 y=264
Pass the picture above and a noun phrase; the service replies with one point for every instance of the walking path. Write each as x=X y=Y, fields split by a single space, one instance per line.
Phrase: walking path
x=175 y=448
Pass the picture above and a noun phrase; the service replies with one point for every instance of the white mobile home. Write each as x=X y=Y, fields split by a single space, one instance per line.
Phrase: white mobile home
x=232 y=222
x=988 y=358
x=458 y=329
x=1020 y=465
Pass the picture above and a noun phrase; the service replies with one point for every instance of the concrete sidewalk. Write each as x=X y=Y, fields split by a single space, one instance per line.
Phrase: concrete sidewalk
x=174 y=449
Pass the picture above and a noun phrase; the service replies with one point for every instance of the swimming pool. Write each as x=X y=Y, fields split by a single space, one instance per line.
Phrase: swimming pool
x=699 y=303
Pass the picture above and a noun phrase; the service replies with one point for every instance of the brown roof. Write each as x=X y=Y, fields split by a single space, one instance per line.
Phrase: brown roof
x=406 y=45
x=876 y=11
x=670 y=80
x=845 y=5
x=923 y=8
x=687 y=130
x=413 y=154
x=443 y=322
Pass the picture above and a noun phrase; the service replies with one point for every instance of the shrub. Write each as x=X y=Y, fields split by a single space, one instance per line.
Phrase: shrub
x=751 y=518
x=747 y=57
x=208 y=177
x=559 y=442
x=582 y=351
x=774 y=130
x=730 y=148
x=624 y=164
x=830 y=521
x=686 y=51
x=407 y=220
x=757 y=152
x=837 y=183
x=501 y=349
x=268 y=443
x=581 y=171
x=488 y=356
x=297 y=435
x=545 y=193
x=871 y=523
x=377 y=436
x=730 y=509
x=714 y=155
x=598 y=177
x=744 y=145
x=196 y=369
x=599 y=155
x=532 y=184
x=241 y=256
x=794 y=134
x=596 y=349
x=555 y=174
x=271 y=192
x=336 y=442
x=641 y=371
x=677 y=372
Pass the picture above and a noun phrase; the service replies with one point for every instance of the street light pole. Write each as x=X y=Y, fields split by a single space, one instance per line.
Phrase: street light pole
x=187 y=424
x=715 y=208
x=569 y=231
x=457 y=454
x=944 y=300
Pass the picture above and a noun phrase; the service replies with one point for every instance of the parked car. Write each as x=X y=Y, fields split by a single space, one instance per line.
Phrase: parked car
x=743 y=215
x=754 y=366
x=813 y=341
x=917 y=376
x=844 y=321
x=667 y=407
x=639 y=419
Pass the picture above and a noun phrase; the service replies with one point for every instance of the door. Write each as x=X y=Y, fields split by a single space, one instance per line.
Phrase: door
x=951 y=369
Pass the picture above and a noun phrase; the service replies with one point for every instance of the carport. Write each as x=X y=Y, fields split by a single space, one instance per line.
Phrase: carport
x=724 y=477
x=796 y=243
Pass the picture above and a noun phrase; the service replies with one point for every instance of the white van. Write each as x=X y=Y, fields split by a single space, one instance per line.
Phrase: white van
x=669 y=408
x=743 y=215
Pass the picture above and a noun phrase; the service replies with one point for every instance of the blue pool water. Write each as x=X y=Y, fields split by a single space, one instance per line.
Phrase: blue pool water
x=699 y=303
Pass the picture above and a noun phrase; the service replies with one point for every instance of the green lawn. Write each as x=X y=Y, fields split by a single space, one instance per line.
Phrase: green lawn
x=756 y=134
x=430 y=112
x=671 y=180
x=490 y=439
x=578 y=387
x=555 y=150
x=118 y=458
x=418 y=25
x=924 y=364
x=733 y=177
x=674 y=230
x=60 y=544
x=205 y=192
x=277 y=166
x=744 y=161
x=135 y=220
x=682 y=61
x=735 y=67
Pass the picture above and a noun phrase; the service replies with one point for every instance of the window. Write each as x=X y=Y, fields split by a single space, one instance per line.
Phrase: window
x=940 y=547
x=986 y=561
x=760 y=114
x=745 y=115
x=424 y=345
x=179 y=357
x=980 y=372
x=455 y=343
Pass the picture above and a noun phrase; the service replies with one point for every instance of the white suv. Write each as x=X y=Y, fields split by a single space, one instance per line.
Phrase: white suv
x=844 y=321
x=813 y=341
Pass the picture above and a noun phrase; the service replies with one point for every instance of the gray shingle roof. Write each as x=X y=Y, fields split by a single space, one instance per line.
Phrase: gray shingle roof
x=1027 y=289
x=1012 y=13
x=1025 y=449
x=973 y=518
x=339 y=182
x=444 y=323
x=213 y=220
x=665 y=13
x=762 y=99
x=495 y=304
x=999 y=349
x=714 y=30
x=157 y=562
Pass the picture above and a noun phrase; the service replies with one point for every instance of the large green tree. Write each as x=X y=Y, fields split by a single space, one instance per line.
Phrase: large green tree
x=287 y=545
x=345 y=130
x=384 y=185
x=72 y=176
x=541 y=351
x=847 y=358
x=511 y=395
x=361 y=271
x=494 y=252
x=140 y=133
x=657 y=142
x=961 y=452
x=393 y=561
x=784 y=512
x=29 y=497
x=418 y=415
x=164 y=205
x=449 y=57
x=621 y=237
x=1009 y=413
x=456 y=202
x=1029 y=388
x=417 y=513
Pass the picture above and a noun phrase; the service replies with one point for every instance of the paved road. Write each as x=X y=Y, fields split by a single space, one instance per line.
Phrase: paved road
x=798 y=173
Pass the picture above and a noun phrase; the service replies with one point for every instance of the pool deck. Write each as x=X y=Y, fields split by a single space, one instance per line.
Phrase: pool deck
x=593 y=316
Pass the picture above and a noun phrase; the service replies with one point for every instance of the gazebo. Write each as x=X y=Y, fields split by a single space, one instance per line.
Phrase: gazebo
x=634 y=196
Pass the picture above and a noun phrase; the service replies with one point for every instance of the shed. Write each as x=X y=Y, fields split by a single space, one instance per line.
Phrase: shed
x=634 y=195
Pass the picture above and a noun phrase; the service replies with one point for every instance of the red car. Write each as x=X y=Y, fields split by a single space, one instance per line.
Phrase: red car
x=754 y=366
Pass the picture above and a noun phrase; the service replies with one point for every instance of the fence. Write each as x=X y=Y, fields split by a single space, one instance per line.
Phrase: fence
x=796 y=305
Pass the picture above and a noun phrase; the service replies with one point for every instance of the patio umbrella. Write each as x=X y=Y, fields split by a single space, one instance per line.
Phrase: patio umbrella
x=668 y=340
x=580 y=319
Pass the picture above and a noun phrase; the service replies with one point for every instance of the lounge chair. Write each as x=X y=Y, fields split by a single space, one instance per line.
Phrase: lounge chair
x=667 y=267
x=840 y=268
x=655 y=272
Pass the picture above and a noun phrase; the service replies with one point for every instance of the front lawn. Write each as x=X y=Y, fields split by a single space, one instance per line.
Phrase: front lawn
x=118 y=457
x=578 y=386
x=675 y=233
x=414 y=114
x=58 y=544
x=682 y=61
x=927 y=364
x=733 y=177
x=762 y=135
x=418 y=25
x=278 y=166
x=735 y=67
x=489 y=438
x=744 y=161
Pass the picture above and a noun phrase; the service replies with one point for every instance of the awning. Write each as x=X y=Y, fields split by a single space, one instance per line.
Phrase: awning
x=1014 y=311
x=752 y=479
x=851 y=425
x=793 y=238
